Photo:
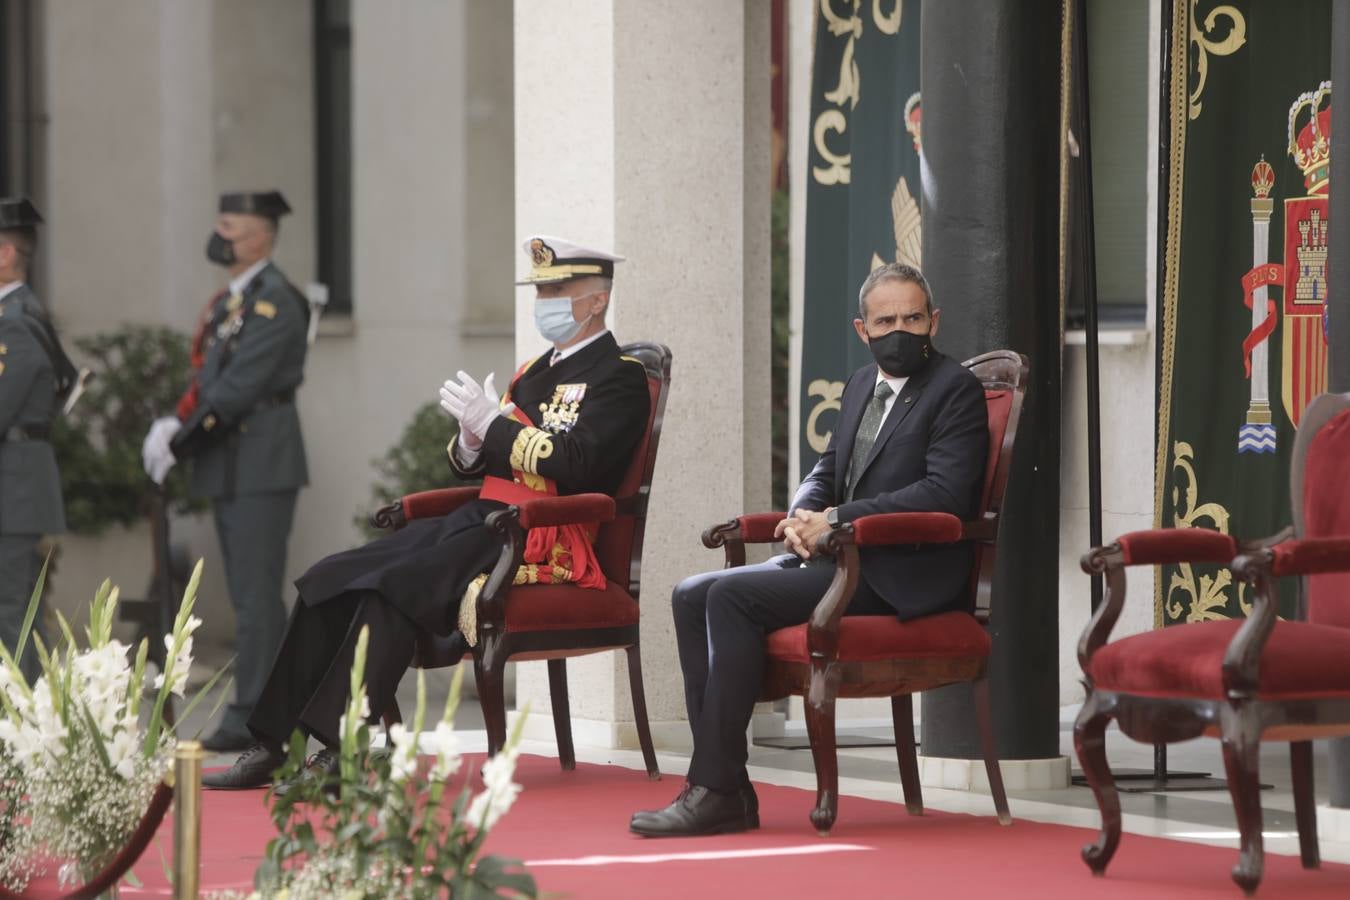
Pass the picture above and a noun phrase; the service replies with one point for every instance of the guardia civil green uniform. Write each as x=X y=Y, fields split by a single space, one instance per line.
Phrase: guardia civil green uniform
x=242 y=432
x=34 y=374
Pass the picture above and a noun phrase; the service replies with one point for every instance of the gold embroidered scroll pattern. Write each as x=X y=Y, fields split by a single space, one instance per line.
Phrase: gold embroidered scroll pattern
x=1205 y=44
x=829 y=393
x=1207 y=595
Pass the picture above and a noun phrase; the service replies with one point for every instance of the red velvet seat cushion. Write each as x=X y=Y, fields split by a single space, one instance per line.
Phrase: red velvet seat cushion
x=554 y=607
x=1299 y=660
x=953 y=634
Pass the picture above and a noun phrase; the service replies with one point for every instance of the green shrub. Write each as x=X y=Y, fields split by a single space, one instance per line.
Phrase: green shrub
x=416 y=463
x=139 y=372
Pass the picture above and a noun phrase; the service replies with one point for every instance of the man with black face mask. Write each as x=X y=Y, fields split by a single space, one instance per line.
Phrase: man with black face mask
x=238 y=424
x=568 y=422
x=912 y=436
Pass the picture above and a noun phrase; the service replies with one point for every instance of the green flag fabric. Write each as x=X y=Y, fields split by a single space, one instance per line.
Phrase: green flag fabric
x=1242 y=331
x=862 y=195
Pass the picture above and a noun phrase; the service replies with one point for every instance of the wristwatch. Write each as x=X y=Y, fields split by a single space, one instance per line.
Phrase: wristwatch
x=832 y=516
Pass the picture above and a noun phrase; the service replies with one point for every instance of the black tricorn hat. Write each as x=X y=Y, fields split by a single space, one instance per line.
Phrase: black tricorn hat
x=18 y=212
x=269 y=204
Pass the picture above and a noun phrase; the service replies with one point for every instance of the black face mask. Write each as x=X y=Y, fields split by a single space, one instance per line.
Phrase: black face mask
x=901 y=353
x=219 y=250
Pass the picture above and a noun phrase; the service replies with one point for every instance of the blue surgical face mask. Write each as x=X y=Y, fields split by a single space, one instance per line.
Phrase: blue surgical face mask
x=553 y=318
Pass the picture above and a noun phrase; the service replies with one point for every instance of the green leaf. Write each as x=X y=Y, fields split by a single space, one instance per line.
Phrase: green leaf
x=34 y=600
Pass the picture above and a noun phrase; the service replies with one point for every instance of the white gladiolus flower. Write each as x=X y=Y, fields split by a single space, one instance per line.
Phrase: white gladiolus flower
x=182 y=660
x=498 y=793
x=403 y=762
x=446 y=746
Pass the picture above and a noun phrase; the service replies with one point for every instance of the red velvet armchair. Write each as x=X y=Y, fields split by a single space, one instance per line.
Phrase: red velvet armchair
x=834 y=655
x=553 y=622
x=1244 y=682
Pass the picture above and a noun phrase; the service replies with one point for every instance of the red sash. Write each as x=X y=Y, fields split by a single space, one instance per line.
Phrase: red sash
x=553 y=554
x=187 y=403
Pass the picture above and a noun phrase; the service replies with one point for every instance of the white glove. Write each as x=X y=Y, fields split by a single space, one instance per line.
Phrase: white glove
x=475 y=407
x=156 y=456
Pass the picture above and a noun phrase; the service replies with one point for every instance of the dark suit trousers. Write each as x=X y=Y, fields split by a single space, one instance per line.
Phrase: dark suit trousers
x=253 y=531
x=310 y=682
x=721 y=620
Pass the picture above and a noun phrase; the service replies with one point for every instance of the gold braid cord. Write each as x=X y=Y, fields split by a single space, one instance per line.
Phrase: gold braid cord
x=531 y=447
x=556 y=571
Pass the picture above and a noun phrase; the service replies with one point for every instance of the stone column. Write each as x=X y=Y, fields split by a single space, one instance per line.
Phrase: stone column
x=643 y=126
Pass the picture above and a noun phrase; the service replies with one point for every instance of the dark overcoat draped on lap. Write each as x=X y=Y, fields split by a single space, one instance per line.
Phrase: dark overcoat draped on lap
x=929 y=456
x=424 y=568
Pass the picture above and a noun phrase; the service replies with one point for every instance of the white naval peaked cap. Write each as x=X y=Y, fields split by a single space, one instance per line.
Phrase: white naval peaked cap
x=555 y=259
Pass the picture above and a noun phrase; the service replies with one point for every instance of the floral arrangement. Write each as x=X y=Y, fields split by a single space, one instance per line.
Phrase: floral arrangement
x=389 y=825
x=79 y=758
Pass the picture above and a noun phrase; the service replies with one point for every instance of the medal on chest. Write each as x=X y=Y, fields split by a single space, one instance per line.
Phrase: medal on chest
x=234 y=318
x=560 y=413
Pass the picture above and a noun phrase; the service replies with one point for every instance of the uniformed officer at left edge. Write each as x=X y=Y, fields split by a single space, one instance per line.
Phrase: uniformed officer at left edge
x=238 y=424
x=34 y=378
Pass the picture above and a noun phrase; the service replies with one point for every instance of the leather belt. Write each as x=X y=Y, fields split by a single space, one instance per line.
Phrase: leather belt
x=17 y=433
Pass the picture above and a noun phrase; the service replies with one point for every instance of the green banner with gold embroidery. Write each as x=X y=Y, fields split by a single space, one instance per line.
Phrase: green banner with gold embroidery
x=862 y=194
x=1242 y=331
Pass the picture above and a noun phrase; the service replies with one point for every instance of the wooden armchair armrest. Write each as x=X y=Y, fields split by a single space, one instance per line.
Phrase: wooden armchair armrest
x=902 y=528
x=422 y=505
x=1307 y=556
x=1157 y=546
x=733 y=535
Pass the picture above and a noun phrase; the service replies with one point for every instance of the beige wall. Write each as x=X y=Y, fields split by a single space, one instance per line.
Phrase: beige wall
x=158 y=105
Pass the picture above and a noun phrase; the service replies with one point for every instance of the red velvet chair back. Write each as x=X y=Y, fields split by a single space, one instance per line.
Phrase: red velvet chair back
x=1003 y=374
x=1321 y=498
x=618 y=546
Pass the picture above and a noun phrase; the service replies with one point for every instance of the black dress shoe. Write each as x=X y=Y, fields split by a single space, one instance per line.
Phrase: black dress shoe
x=698 y=810
x=227 y=740
x=253 y=769
x=749 y=801
x=323 y=767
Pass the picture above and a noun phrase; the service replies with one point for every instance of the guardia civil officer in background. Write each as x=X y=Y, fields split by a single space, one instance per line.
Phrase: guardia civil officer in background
x=239 y=426
x=35 y=377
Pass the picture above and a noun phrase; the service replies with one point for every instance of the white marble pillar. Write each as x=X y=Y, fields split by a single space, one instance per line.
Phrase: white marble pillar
x=644 y=126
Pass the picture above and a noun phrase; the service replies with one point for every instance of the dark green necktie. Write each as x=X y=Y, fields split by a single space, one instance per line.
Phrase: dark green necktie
x=867 y=434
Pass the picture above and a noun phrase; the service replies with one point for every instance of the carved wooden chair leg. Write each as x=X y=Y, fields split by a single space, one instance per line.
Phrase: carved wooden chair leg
x=820 y=729
x=562 y=714
x=1241 y=760
x=489 y=664
x=1089 y=740
x=902 y=716
x=1305 y=810
x=984 y=720
x=644 y=728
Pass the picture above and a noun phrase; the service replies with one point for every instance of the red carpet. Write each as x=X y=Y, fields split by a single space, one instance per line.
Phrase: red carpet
x=573 y=828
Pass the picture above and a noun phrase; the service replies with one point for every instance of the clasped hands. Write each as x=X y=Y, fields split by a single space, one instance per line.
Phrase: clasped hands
x=474 y=406
x=801 y=530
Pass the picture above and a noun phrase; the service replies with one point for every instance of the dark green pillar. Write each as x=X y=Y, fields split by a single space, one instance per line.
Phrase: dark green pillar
x=990 y=79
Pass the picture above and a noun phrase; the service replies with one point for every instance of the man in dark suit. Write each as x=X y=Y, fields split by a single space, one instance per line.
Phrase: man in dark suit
x=912 y=436
x=568 y=424
x=35 y=376
x=239 y=425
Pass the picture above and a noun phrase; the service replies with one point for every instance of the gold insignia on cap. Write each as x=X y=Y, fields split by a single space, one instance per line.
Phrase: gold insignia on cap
x=265 y=309
x=541 y=254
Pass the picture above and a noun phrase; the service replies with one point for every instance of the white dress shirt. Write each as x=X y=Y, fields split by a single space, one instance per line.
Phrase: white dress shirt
x=7 y=289
x=240 y=281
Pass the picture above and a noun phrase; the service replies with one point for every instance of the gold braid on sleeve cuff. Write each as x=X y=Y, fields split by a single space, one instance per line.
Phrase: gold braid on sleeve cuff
x=531 y=447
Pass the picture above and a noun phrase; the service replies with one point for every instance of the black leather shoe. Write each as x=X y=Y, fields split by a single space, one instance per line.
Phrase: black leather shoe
x=749 y=801
x=227 y=740
x=253 y=769
x=323 y=767
x=698 y=810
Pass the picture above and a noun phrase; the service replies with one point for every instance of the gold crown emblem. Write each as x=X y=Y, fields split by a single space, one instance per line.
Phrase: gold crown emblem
x=1311 y=146
x=1263 y=178
x=541 y=254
